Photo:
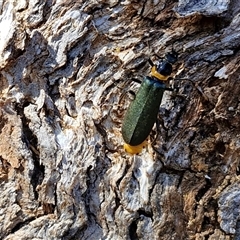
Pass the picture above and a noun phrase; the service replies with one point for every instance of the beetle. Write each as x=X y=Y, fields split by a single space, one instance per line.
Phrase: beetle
x=142 y=112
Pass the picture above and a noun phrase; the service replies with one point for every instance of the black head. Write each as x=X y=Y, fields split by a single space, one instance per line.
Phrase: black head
x=172 y=57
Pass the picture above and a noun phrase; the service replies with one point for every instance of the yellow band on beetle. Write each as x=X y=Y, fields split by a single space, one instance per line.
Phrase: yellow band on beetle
x=157 y=75
x=134 y=149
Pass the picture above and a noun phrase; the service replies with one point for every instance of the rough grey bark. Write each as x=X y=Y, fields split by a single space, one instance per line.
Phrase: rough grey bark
x=66 y=69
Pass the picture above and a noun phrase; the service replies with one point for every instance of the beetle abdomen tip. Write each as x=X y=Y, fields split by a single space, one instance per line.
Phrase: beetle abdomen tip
x=134 y=149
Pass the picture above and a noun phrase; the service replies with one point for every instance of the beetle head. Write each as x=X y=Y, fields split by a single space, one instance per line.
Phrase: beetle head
x=172 y=57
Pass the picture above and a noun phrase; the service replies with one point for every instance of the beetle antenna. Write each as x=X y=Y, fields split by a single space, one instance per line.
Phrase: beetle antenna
x=157 y=55
x=151 y=62
x=198 y=88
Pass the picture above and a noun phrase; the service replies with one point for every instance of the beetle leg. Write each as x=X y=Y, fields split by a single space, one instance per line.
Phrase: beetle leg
x=196 y=86
x=132 y=93
x=136 y=80
x=168 y=89
x=150 y=62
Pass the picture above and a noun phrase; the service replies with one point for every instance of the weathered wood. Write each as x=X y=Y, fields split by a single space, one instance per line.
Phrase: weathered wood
x=66 y=68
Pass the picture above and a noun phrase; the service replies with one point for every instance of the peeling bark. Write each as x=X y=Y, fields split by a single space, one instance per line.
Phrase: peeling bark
x=66 y=70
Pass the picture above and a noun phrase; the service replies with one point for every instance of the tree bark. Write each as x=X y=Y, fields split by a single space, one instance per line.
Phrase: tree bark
x=66 y=70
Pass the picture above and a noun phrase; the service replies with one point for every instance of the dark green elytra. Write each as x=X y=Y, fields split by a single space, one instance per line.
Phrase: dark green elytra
x=142 y=112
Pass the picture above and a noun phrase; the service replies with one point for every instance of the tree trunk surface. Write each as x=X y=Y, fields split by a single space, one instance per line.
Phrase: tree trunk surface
x=66 y=72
